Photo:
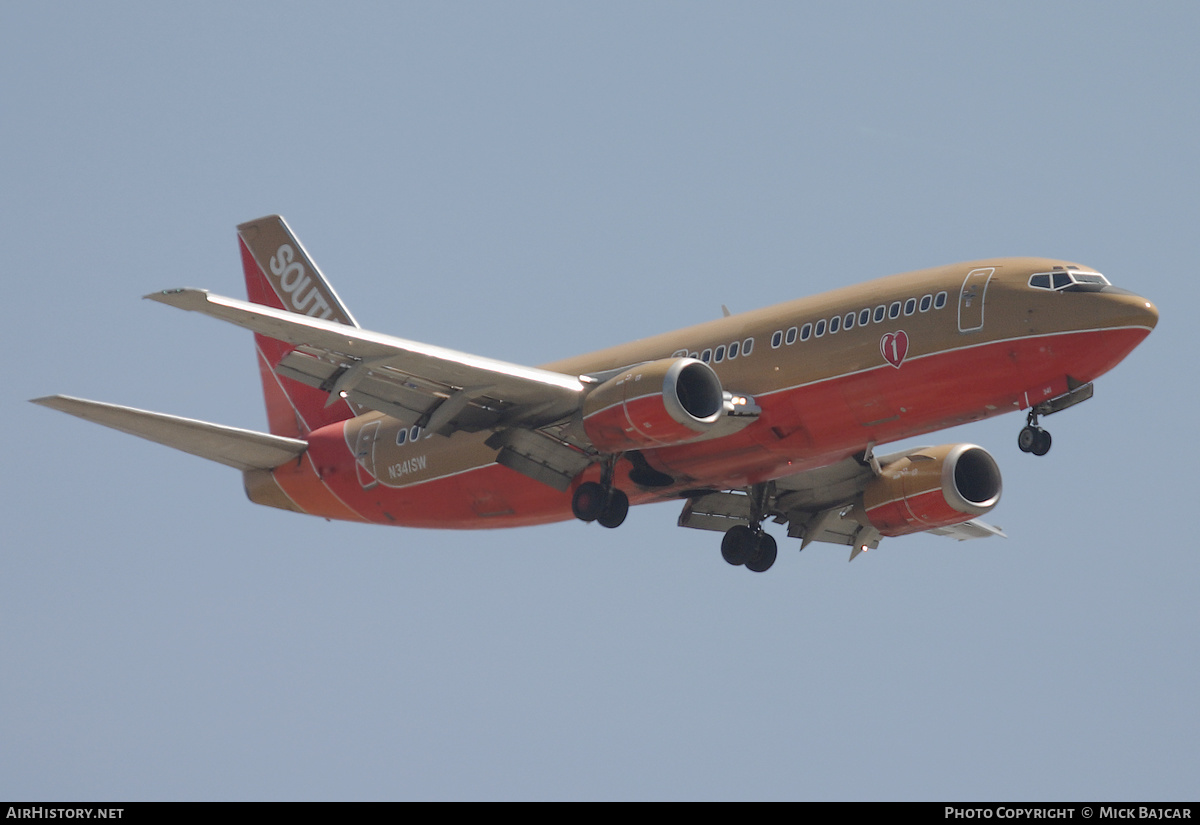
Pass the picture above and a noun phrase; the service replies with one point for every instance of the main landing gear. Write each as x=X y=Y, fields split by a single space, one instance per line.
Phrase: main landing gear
x=594 y=502
x=749 y=544
x=600 y=501
x=1033 y=439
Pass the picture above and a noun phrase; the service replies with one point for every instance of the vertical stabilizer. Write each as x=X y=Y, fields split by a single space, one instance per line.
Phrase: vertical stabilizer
x=280 y=274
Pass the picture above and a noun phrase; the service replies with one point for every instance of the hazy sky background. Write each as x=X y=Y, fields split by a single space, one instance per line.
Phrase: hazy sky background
x=529 y=181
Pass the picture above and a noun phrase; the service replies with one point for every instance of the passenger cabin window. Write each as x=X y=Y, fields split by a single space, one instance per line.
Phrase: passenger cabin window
x=926 y=303
x=805 y=333
x=706 y=356
x=910 y=306
x=864 y=317
x=719 y=355
x=820 y=328
x=849 y=322
x=835 y=324
x=880 y=311
x=747 y=347
x=791 y=335
x=894 y=310
x=776 y=338
x=733 y=350
x=939 y=301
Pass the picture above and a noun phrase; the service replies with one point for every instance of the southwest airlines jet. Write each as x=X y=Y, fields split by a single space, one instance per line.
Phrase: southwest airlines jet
x=773 y=414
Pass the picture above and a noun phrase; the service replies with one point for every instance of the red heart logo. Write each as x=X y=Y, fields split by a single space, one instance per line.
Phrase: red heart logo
x=894 y=346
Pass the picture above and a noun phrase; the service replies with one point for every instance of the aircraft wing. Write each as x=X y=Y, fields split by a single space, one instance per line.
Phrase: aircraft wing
x=816 y=505
x=440 y=389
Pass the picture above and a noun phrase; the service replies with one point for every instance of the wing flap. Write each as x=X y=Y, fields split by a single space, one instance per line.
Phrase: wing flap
x=973 y=529
x=231 y=446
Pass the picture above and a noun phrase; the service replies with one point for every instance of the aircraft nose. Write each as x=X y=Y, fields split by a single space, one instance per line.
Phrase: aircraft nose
x=1145 y=313
x=1130 y=309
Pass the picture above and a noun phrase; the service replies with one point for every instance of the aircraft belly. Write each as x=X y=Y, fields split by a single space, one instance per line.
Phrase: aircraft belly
x=435 y=482
x=819 y=423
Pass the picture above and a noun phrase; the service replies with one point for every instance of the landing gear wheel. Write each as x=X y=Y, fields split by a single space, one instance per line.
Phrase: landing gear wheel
x=738 y=545
x=764 y=554
x=615 y=511
x=1034 y=440
x=589 y=501
x=1026 y=439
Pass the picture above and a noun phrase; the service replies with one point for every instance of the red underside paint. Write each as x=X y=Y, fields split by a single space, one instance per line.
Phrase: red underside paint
x=637 y=424
x=800 y=429
x=914 y=514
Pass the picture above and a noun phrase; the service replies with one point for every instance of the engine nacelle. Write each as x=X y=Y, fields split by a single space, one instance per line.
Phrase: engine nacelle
x=935 y=487
x=655 y=404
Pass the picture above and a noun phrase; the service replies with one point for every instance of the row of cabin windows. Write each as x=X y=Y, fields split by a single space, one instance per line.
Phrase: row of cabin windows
x=723 y=352
x=861 y=318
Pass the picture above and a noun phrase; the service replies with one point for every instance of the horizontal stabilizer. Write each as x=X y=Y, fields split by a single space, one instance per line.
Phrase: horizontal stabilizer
x=232 y=446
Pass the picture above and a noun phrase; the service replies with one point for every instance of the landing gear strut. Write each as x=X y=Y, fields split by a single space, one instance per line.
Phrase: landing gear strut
x=600 y=501
x=1033 y=439
x=749 y=544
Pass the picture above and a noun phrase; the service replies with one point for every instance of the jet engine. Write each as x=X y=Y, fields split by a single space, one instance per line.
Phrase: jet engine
x=933 y=487
x=655 y=404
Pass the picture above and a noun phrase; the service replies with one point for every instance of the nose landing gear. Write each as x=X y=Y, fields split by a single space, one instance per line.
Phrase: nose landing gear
x=1033 y=439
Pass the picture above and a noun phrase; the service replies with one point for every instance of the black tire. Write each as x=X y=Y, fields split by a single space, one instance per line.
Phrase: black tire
x=738 y=544
x=1026 y=439
x=614 y=514
x=588 y=502
x=765 y=552
x=1041 y=445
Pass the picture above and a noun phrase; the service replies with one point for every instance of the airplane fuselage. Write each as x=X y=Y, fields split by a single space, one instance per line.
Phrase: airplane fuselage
x=833 y=374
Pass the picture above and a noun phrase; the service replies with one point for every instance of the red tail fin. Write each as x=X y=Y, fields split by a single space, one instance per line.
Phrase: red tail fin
x=280 y=274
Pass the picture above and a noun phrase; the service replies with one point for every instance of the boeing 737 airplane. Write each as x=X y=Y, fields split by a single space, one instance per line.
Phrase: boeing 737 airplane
x=773 y=414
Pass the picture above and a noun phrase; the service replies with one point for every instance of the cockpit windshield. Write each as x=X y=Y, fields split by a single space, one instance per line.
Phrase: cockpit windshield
x=1069 y=280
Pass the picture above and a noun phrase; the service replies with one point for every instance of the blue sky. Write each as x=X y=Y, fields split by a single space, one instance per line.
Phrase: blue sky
x=528 y=181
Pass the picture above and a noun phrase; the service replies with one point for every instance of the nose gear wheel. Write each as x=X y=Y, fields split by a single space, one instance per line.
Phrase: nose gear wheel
x=1033 y=439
